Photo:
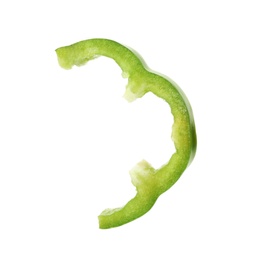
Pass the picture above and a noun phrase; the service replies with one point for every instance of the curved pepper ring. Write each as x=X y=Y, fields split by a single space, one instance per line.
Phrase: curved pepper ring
x=150 y=183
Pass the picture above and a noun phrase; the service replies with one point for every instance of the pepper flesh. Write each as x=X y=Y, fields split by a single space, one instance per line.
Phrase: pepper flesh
x=150 y=183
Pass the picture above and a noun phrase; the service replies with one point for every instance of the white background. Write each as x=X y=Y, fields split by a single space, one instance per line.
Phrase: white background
x=68 y=139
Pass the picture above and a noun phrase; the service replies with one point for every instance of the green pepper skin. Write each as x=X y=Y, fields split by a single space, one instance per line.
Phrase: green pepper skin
x=150 y=183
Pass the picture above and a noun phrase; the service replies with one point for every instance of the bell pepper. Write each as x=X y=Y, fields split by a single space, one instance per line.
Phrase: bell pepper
x=150 y=183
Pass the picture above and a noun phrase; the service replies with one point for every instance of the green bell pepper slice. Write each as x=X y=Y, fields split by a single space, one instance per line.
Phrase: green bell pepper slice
x=150 y=183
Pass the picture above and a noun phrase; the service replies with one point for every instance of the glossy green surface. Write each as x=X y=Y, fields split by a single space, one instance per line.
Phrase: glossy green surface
x=150 y=183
